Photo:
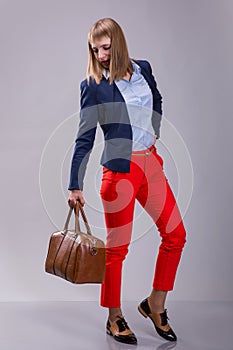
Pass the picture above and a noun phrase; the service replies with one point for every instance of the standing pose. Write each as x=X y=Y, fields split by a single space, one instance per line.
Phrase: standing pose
x=121 y=95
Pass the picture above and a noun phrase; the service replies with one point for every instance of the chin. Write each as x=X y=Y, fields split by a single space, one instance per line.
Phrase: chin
x=106 y=66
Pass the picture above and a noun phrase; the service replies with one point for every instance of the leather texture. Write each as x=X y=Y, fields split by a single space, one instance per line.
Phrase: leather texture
x=121 y=331
x=159 y=320
x=76 y=256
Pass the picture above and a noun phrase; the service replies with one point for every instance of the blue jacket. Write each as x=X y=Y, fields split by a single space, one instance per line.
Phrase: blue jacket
x=105 y=105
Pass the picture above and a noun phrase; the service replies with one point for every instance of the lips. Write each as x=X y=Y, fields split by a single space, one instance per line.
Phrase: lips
x=105 y=63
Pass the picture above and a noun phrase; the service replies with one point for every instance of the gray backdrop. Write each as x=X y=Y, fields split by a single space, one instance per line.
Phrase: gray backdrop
x=43 y=59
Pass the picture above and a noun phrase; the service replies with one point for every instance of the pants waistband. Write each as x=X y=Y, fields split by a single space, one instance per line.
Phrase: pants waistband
x=144 y=152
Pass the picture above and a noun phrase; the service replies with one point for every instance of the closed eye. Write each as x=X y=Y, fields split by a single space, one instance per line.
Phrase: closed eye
x=95 y=50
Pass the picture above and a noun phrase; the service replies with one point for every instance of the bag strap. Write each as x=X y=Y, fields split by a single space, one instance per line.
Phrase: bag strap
x=68 y=219
x=77 y=224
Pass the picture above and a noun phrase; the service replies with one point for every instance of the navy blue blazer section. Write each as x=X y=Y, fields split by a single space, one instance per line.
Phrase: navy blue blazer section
x=105 y=105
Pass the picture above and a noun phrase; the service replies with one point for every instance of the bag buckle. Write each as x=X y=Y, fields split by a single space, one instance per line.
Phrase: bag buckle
x=93 y=250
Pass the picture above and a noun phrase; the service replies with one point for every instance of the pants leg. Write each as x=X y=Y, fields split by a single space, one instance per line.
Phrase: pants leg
x=111 y=287
x=156 y=196
x=118 y=198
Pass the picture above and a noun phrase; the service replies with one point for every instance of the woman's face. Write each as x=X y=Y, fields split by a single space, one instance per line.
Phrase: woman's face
x=101 y=48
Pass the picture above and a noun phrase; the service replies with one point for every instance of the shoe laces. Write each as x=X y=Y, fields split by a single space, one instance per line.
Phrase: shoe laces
x=122 y=324
x=164 y=318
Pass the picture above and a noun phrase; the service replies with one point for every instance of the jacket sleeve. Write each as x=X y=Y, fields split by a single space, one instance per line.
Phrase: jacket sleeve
x=157 y=105
x=86 y=135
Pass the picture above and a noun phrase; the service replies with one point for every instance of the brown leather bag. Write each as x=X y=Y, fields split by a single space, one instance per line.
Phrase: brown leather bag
x=76 y=256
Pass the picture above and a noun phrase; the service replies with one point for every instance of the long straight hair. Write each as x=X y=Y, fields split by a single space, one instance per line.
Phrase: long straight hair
x=120 y=62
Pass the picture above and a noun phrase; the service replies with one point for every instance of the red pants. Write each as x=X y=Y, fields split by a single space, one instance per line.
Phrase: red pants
x=147 y=183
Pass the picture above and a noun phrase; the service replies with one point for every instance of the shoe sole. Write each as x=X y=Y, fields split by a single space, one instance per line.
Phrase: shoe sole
x=108 y=331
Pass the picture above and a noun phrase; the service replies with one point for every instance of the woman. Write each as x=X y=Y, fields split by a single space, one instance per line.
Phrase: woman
x=122 y=96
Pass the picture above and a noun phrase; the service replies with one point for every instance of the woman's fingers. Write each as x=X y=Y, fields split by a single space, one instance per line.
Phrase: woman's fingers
x=72 y=203
x=75 y=195
x=81 y=199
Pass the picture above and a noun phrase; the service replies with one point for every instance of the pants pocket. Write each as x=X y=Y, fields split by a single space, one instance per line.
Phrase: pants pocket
x=159 y=158
x=109 y=174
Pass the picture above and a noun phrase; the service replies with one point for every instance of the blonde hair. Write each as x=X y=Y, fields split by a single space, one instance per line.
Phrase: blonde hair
x=120 y=62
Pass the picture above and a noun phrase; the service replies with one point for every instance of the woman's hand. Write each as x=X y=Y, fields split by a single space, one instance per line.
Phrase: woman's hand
x=155 y=138
x=75 y=195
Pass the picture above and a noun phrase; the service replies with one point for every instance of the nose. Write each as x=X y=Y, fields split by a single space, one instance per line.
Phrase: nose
x=101 y=54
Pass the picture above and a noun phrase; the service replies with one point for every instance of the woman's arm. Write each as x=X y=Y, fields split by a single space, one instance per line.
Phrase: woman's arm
x=84 y=141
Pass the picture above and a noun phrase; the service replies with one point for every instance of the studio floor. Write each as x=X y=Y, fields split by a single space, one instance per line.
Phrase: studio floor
x=70 y=325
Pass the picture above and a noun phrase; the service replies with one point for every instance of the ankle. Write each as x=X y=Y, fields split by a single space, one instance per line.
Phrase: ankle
x=155 y=306
x=114 y=313
x=157 y=300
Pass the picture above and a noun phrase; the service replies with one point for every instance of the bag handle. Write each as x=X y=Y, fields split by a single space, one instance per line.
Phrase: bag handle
x=68 y=220
x=77 y=224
